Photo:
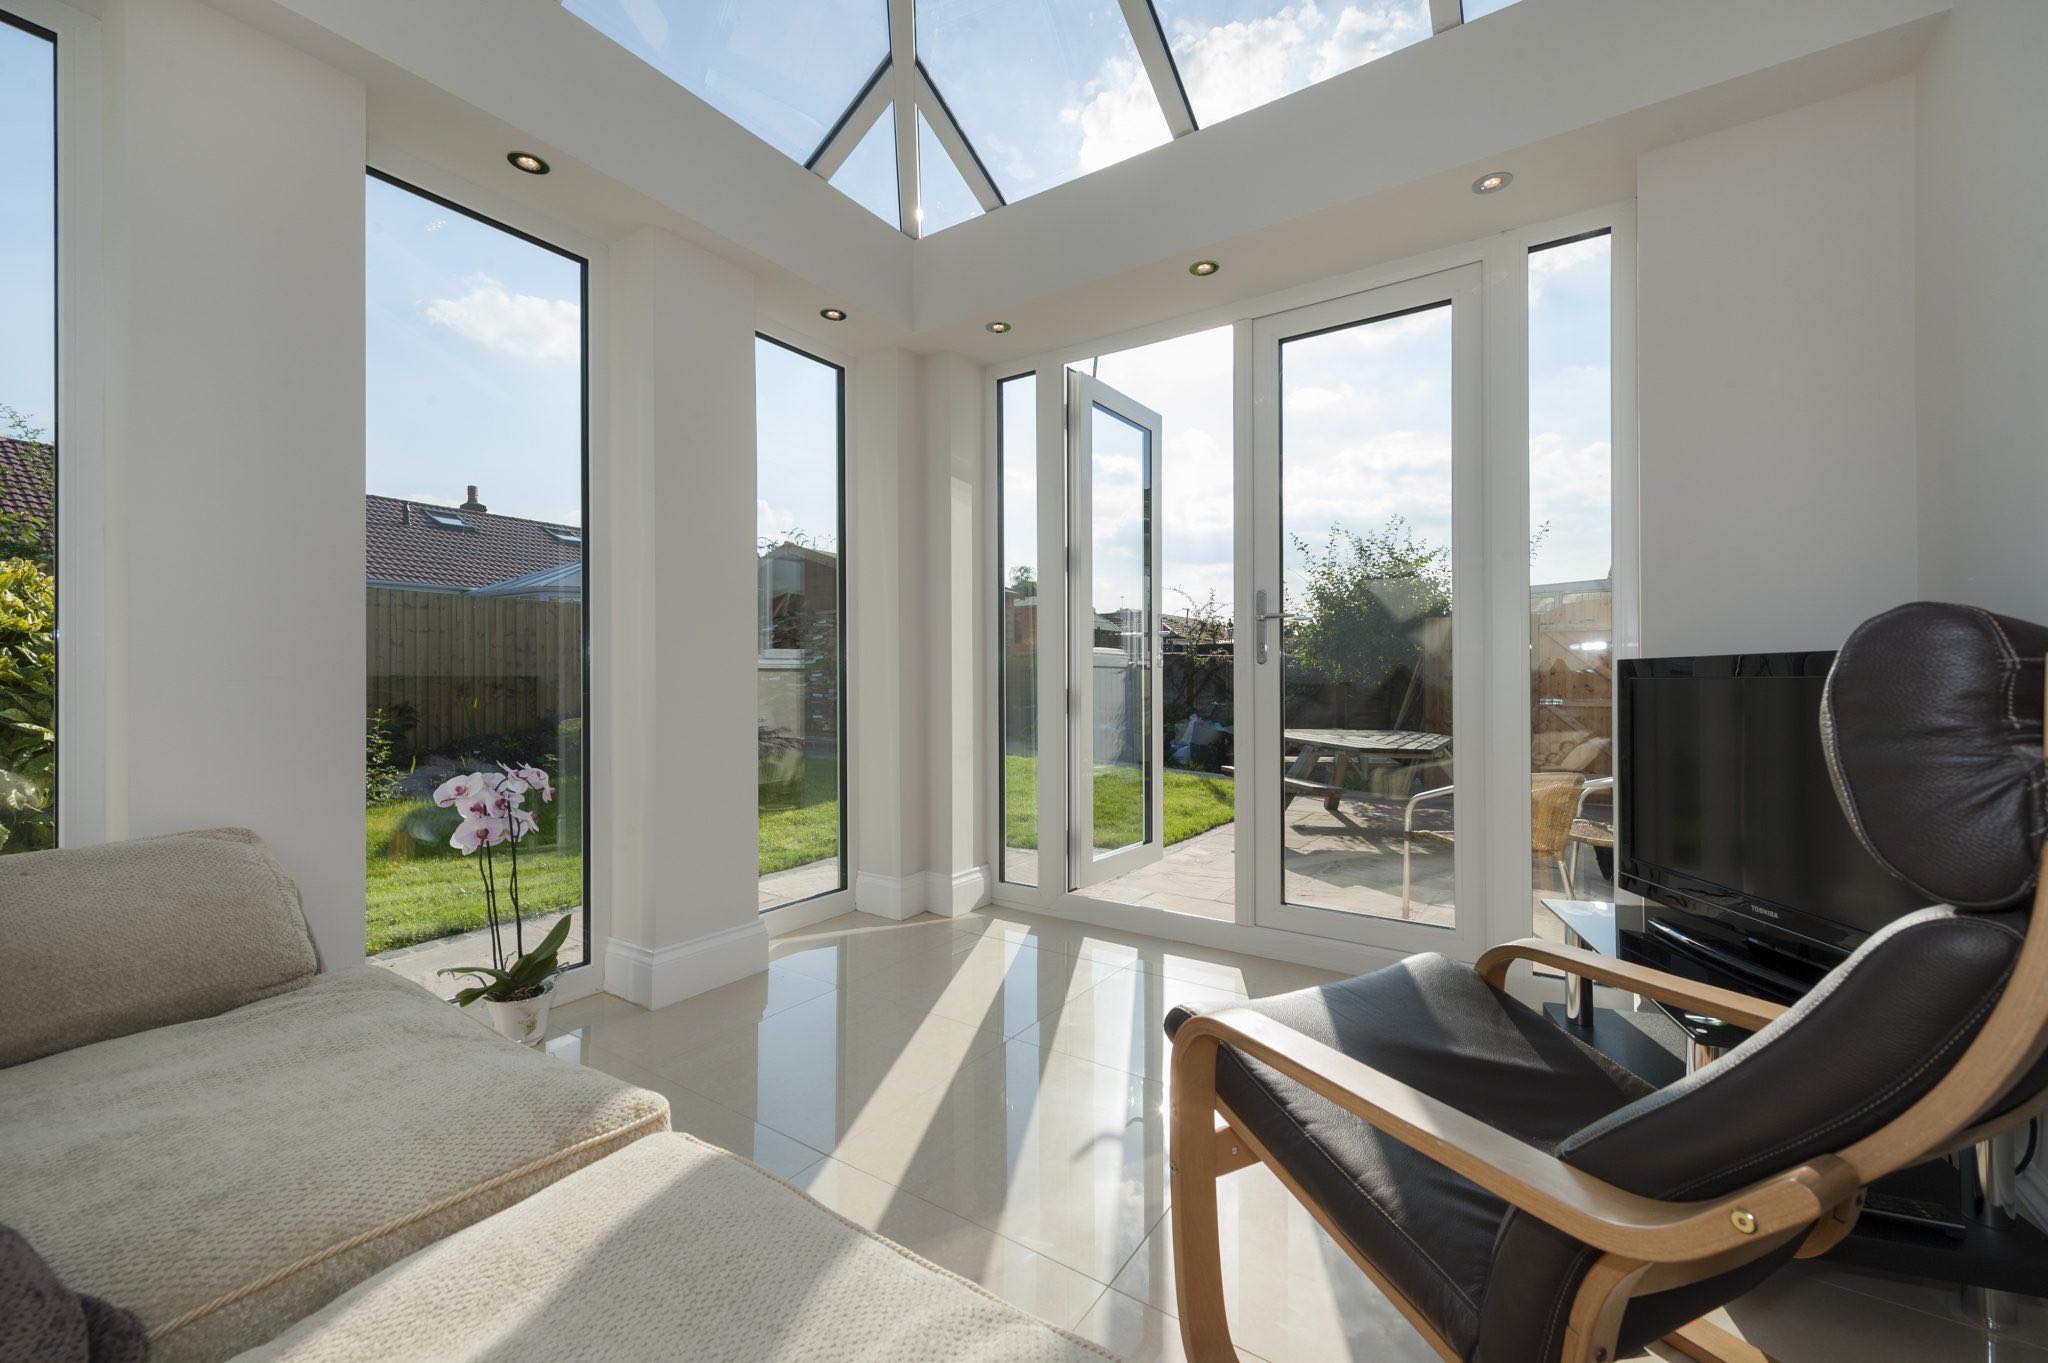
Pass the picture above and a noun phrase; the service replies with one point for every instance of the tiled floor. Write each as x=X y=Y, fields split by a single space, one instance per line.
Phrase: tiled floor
x=991 y=1092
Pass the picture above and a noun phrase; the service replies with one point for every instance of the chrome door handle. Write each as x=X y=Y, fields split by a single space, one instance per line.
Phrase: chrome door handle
x=1260 y=615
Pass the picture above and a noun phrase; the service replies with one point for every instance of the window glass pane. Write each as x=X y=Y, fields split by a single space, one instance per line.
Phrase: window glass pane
x=1121 y=523
x=1365 y=504
x=1479 y=9
x=1571 y=574
x=785 y=72
x=1235 y=55
x=802 y=778
x=943 y=197
x=1045 y=89
x=473 y=539
x=1017 y=481
x=868 y=175
x=1187 y=380
x=28 y=440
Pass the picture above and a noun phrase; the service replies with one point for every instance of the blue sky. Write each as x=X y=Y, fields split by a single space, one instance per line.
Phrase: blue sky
x=474 y=367
x=28 y=381
x=797 y=428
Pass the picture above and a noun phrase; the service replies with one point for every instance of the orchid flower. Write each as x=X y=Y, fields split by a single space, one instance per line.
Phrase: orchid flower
x=536 y=779
x=474 y=834
x=456 y=789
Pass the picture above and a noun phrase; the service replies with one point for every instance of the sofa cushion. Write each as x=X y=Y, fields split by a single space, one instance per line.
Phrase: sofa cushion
x=104 y=941
x=42 y=1319
x=223 y=1177
x=671 y=1249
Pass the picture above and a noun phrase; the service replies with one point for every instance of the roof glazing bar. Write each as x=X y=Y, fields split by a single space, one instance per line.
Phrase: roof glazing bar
x=1143 y=20
x=902 y=80
x=947 y=129
x=853 y=125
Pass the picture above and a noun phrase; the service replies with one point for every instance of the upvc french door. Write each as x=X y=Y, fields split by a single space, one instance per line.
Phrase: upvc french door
x=1116 y=756
x=1363 y=736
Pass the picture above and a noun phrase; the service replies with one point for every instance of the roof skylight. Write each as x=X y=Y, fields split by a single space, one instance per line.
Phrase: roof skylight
x=785 y=72
x=447 y=518
x=565 y=534
x=929 y=112
x=944 y=198
x=1046 y=90
x=868 y=175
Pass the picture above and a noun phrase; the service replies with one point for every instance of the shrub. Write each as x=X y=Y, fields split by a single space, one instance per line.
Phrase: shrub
x=28 y=706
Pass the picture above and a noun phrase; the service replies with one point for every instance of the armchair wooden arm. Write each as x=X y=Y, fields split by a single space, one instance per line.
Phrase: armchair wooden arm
x=1725 y=1004
x=1584 y=1207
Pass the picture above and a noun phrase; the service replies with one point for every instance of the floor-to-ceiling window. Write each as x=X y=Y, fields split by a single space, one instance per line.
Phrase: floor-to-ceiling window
x=800 y=424
x=474 y=547
x=28 y=437
x=1018 y=662
x=1571 y=569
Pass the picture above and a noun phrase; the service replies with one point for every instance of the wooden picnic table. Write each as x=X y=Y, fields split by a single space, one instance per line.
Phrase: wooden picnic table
x=1347 y=746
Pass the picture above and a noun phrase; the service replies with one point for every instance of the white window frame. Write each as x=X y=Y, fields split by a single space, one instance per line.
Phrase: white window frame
x=1502 y=889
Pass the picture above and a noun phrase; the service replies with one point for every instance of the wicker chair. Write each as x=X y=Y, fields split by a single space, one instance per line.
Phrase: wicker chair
x=1520 y=1198
x=1553 y=802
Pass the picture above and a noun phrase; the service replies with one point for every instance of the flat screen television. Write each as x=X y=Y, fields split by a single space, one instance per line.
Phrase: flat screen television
x=1727 y=821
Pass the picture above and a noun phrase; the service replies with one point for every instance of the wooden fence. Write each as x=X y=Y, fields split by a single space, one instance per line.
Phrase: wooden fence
x=470 y=665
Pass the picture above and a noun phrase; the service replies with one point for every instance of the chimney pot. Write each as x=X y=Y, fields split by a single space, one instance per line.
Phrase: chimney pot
x=473 y=504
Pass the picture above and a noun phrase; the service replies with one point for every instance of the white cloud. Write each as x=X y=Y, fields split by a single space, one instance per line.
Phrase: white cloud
x=1117 y=118
x=519 y=324
x=1239 y=65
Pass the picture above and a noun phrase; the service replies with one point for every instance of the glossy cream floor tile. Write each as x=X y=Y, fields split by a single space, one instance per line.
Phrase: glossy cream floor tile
x=989 y=982
x=1060 y=1154
x=1047 y=1289
x=775 y=1151
x=849 y=946
x=660 y=1035
x=1136 y=1333
x=1119 y=1022
x=1290 y=1291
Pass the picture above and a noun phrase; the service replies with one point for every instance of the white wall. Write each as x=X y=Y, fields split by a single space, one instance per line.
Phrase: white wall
x=235 y=446
x=1779 y=473
x=684 y=833
x=1983 y=300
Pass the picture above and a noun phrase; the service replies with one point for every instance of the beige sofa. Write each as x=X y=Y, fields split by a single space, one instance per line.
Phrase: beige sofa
x=199 y=1127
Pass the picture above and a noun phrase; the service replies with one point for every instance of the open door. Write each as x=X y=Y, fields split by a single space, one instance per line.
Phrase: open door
x=1114 y=706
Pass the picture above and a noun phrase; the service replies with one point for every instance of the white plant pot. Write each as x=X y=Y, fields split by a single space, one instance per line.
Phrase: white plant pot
x=524 y=1021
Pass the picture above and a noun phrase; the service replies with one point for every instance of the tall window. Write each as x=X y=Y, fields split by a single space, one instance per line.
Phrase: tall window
x=475 y=553
x=1017 y=480
x=28 y=440
x=799 y=515
x=1571 y=569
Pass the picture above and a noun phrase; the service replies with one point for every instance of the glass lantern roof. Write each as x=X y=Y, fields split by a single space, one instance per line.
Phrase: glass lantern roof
x=931 y=112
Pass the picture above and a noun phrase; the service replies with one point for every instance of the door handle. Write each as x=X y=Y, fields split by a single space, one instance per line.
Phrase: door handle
x=1260 y=615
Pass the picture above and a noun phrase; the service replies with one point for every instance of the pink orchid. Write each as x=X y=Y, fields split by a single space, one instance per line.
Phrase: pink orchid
x=477 y=833
x=456 y=789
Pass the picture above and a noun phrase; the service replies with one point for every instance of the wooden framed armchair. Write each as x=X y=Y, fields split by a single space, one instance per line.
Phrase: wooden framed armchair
x=1521 y=1199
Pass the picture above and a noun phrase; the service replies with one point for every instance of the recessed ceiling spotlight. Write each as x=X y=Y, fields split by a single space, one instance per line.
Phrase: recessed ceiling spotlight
x=999 y=327
x=1202 y=269
x=832 y=314
x=527 y=161
x=1493 y=182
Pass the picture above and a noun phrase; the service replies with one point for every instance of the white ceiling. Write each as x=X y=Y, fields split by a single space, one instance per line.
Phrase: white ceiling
x=1564 y=92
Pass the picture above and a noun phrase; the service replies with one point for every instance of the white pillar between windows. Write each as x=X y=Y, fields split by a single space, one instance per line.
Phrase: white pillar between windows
x=888 y=635
x=955 y=601
x=682 y=749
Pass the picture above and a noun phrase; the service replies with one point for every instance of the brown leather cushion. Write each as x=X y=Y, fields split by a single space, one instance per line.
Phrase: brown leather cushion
x=1932 y=728
x=1434 y=1024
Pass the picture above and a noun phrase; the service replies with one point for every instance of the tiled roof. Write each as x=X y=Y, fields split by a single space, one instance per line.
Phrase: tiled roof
x=25 y=483
x=402 y=543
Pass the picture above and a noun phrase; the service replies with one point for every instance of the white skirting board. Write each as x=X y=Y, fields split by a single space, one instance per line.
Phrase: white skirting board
x=947 y=894
x=655 y=977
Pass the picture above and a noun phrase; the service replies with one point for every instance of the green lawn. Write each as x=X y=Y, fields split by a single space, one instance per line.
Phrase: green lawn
x=420 y=888
x=1195 y=803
